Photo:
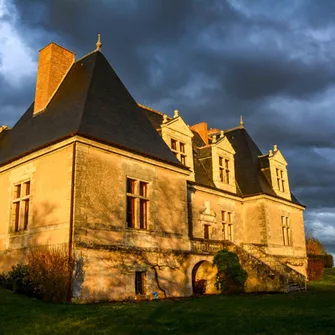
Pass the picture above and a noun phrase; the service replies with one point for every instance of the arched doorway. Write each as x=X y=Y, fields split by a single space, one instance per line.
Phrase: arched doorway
x=204 y=270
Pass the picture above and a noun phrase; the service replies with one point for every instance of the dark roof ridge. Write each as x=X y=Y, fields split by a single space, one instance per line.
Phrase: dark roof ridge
x=151 y=109
x=89 y=85
x=232 y=129
x=89 y=54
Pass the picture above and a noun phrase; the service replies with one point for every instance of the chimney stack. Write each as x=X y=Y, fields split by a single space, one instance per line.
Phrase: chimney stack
x=54 y=62
x=202 y=129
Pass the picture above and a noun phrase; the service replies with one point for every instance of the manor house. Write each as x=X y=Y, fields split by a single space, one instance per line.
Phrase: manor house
x=141 y=200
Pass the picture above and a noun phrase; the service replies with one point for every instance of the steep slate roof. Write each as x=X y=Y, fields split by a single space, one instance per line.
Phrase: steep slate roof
x=92 y=102
x=248 y=174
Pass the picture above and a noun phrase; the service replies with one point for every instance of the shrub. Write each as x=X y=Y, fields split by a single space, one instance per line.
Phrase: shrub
x=4 y=280
x=200 y=286
x=19 y=280
x=328 y=261
x=230 y=277
x=315 y=269
x=51 y=270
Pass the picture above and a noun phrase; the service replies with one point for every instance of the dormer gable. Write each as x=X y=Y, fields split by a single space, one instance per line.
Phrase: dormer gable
x=274 y=167
x=178 y=137
x=223 y=163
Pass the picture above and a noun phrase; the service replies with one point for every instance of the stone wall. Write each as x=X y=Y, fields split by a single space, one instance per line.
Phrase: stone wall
x=49 y=173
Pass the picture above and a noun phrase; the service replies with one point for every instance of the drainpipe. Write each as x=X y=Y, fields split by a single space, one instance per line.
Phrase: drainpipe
x=70 y=258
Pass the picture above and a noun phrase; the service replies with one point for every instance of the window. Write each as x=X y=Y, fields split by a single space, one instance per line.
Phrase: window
x=139 y=282
x=178 y=148
x=206 y=231
x=20 y=206
x=224 y=170
x=137 y=204
x=285 y=221
x=227 y=225
x=280 y=180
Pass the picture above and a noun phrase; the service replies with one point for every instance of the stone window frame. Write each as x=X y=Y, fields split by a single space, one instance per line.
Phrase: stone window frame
x=224 y=171
x=227 y=225
x=178 y=148
x=137 y=198
x=20 y=206
x=286 y=230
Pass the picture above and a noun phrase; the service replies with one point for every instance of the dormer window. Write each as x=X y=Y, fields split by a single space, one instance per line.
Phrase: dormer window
x=280 y=180
x=178 y=148
x=224 y=170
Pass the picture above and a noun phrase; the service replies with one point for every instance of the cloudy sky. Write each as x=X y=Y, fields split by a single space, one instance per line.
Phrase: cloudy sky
x=271 y=61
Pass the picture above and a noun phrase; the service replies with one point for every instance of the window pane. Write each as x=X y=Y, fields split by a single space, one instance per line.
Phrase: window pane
x=27 y=188
x=206 y=231
x=220 y=161
x=130 y=185
x=229 y=216
x=226 y=163
x=16 y=213
x=143 y=189
x=143 y=213
x=223 y=216
x=221 y=175
x=26 y=214
x=229 y=232
x=173 y=144
x=182 y=147
x=130 y=212
x=227 y=176
x=17 y=192
x=183 y=159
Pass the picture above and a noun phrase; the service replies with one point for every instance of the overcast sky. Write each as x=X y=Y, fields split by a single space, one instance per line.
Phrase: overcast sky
x=271 y=61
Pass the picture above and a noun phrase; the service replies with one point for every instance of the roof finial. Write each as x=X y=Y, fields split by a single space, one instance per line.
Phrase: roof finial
x=175 y=113
x=98 y=44
x=241 y=122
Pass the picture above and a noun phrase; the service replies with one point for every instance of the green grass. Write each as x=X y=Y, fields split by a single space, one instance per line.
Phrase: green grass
x=311 y=312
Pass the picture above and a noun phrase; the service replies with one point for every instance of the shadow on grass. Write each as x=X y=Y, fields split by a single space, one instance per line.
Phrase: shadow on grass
x=310 y=312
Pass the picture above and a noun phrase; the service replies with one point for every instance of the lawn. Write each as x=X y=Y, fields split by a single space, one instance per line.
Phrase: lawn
x=311 y=312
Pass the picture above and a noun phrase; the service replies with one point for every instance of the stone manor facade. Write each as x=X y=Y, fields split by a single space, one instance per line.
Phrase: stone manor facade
x=140 y=199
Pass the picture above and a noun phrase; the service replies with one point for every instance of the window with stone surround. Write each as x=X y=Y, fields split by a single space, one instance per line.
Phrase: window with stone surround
x=280 y=180
x=137 y=204
x=224 y=171
x=286 y=229
x=139 y=282
x=227 y=225
x=178 y=148
x=20 y=206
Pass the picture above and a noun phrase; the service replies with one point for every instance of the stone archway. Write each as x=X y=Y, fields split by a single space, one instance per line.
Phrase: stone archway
x=205 y=270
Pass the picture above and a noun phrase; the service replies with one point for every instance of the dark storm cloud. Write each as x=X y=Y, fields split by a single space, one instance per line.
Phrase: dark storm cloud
x=273 y=62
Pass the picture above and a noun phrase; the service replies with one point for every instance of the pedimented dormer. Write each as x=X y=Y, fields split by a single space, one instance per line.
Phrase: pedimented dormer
x=223 y=165
x=178 y=137
x=274 y=166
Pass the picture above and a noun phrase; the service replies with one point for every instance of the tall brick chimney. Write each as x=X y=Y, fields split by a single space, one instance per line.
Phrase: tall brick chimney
x=53 y=64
